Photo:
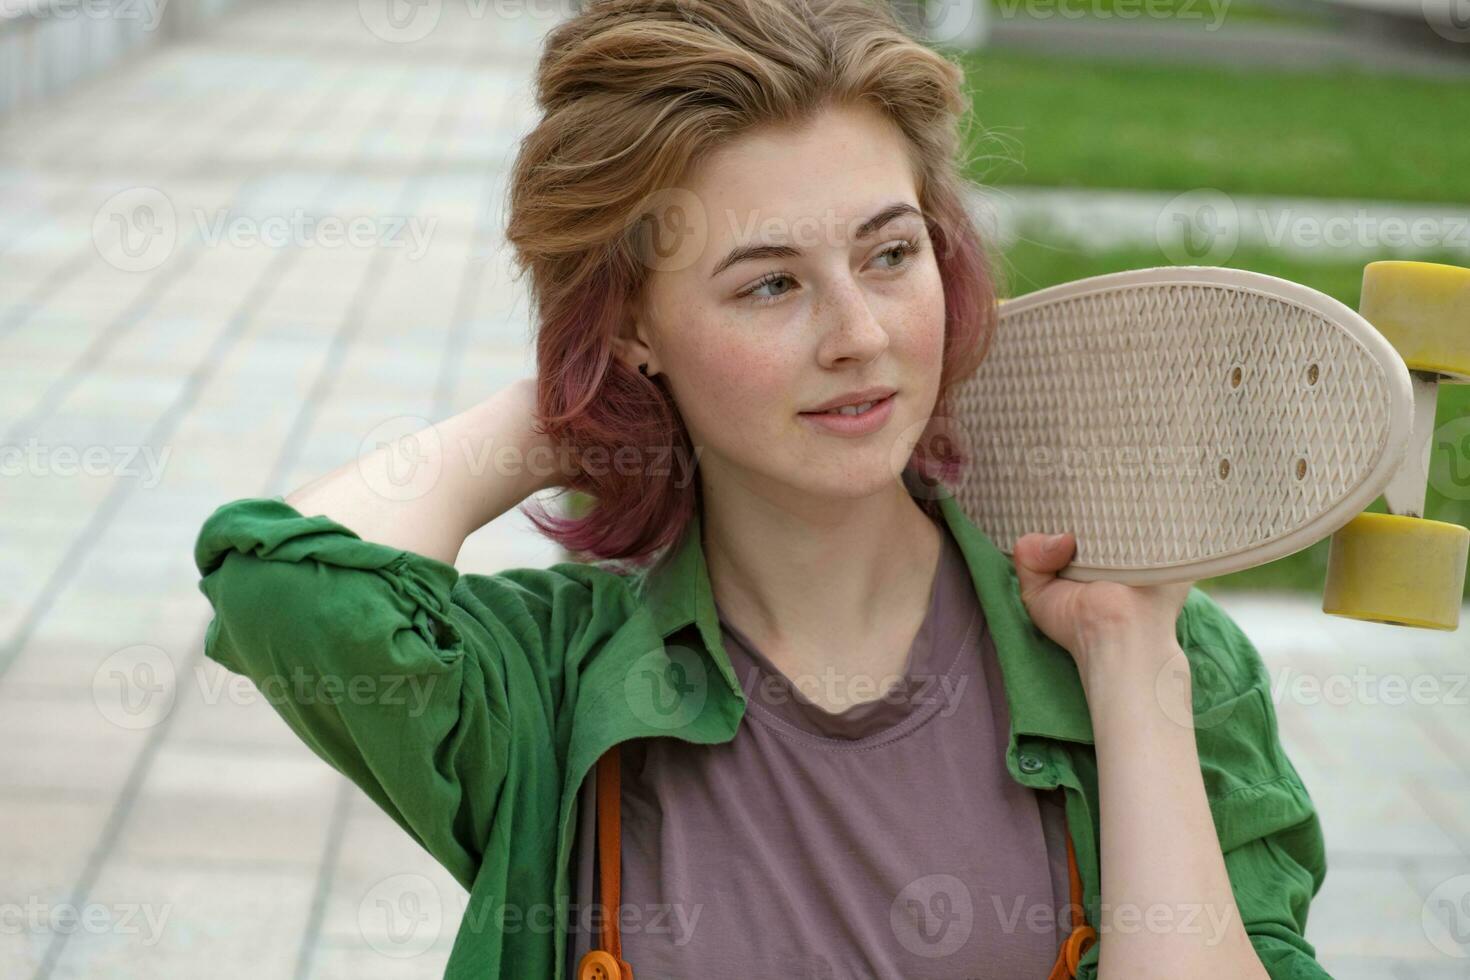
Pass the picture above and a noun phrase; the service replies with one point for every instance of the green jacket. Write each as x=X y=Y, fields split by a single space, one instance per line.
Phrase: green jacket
x=470 y=707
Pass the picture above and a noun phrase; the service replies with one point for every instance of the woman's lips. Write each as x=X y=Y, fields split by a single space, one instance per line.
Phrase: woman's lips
x=836 y=423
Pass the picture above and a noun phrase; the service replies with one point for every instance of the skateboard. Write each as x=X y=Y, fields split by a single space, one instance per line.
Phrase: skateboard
x=1186 y=422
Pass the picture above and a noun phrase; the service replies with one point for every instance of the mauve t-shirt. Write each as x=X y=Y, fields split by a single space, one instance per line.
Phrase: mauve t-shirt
x=884 y=842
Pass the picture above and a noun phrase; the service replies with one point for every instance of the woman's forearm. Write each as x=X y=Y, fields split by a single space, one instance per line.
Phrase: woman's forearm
x=1168 y=908
x=428 y=491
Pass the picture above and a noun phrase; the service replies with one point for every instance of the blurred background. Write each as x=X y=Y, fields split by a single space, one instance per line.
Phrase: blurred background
x=241 y=243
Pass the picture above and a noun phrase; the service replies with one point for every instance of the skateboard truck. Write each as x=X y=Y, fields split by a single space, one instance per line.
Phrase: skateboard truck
x=1400 y=568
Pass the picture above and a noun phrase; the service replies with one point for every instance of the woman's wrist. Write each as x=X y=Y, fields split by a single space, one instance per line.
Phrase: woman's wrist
x=1129 y=672
x=493 y=457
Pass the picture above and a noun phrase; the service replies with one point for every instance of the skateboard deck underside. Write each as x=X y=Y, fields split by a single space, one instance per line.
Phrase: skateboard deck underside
x=1181 y=422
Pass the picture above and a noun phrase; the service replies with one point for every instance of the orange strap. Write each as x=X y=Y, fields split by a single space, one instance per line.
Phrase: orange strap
x=1082 y=935
x=606 y=961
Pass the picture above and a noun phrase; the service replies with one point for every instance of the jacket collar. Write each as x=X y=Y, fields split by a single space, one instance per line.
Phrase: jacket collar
x=1043 y=689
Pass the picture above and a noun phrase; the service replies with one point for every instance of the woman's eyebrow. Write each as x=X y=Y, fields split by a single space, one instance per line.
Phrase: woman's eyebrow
x=745 y=253
x=883 y=217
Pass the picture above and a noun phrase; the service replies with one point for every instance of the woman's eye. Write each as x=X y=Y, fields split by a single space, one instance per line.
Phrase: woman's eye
x=902 y=250
x=770 y=280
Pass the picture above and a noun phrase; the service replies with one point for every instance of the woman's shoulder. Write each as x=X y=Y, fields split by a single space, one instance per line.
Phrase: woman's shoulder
x=569 y=592
x=1253 y=787
x=575 y=575
x=1224 y=662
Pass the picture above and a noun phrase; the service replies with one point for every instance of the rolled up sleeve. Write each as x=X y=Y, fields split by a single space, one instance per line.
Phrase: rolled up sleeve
x=1275 y=877
x=361 y=650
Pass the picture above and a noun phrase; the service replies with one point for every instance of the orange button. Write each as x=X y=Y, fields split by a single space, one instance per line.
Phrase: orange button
x=599 y=964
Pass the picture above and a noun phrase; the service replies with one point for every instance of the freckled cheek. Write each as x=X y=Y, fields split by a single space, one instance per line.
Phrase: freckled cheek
x=923 y=331
x=746 y=385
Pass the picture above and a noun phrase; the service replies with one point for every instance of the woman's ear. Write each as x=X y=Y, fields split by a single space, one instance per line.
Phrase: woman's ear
x=632 y=348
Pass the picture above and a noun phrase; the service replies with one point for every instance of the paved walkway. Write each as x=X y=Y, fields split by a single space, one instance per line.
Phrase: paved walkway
x=181 y=325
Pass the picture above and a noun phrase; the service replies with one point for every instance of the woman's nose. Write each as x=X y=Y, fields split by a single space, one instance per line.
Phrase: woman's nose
x=850 y=325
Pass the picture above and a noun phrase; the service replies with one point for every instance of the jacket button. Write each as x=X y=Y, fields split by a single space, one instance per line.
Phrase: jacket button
x=1029 y=763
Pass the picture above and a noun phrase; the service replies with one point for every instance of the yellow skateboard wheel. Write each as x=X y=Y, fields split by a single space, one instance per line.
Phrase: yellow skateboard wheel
x=1405 y=571
x=1423 y=309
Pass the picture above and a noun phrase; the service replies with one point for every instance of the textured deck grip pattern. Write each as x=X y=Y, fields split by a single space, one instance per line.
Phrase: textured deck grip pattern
x=1166 y=423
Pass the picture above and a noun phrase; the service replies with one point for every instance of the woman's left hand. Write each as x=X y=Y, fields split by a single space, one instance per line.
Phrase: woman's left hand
x=1091 y=619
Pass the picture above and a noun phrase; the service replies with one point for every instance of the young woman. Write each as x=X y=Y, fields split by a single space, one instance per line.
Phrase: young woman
x=855 y=739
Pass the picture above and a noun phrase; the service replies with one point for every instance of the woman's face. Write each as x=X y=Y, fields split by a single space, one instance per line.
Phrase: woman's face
x=750 y=340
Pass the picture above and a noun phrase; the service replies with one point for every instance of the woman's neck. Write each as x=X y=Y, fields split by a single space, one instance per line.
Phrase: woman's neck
x=838 y=597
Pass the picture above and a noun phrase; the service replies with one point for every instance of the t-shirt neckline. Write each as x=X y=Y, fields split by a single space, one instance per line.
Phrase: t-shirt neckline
x=773 y=698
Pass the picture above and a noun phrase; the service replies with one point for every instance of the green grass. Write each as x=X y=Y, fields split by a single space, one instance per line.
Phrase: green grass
x=1199 y=13
x=1081 y=123
x=1038 y=260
